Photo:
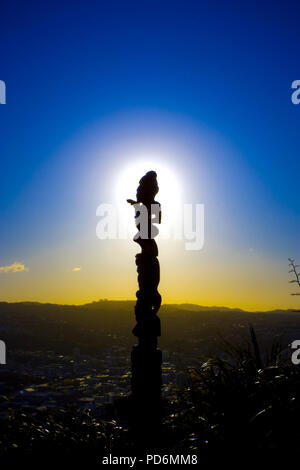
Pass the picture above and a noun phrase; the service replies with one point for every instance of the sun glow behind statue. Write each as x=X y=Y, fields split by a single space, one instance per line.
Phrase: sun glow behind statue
x=169 y=194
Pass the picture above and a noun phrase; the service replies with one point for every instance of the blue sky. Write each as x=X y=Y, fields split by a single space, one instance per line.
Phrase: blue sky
x=211 y=75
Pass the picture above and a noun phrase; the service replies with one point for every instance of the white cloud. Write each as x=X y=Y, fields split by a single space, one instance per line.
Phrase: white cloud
x=13 y=268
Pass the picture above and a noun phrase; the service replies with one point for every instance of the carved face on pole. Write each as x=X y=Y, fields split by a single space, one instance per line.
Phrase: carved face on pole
x=148 y=188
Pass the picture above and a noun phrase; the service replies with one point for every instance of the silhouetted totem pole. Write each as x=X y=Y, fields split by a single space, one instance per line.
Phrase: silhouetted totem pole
x=146 y=359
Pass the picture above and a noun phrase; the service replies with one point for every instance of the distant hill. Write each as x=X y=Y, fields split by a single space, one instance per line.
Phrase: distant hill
x=198 y=308
x=45 y=324
x=104 y=304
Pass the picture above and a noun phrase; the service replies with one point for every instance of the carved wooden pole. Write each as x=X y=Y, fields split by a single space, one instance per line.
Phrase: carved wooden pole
x=146 y=359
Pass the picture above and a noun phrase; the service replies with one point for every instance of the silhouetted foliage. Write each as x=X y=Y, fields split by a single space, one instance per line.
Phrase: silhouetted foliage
x=296 y=274
x=248 y=402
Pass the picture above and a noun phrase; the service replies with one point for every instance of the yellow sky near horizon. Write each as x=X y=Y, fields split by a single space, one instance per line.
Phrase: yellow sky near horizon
x=52 y=254
x=238 y=280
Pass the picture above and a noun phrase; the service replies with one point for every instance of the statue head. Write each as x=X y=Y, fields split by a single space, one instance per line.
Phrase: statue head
x=148 y=188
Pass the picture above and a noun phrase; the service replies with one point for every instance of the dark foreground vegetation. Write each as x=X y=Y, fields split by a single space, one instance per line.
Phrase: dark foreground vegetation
x=246 y=402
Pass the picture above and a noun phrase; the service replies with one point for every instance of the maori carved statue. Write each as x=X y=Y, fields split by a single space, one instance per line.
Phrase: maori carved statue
x=146 y=358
